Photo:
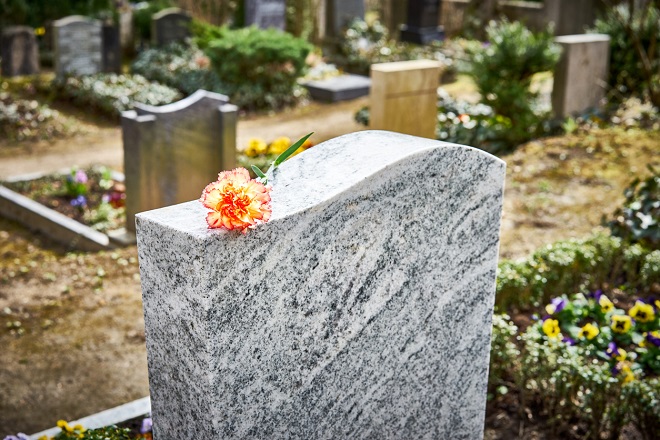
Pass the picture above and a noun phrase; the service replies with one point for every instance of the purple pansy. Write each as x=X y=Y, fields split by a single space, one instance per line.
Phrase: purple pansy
x=19 y=436
x=653 y=339
x=568 y=341
x=147 y=424
x=596 y=295
x=80 y=177
x=556 y=305
x=79 y=201
x=612 y=350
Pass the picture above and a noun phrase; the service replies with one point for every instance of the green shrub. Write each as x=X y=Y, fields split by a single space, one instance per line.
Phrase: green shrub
x=638 y=221
x=182 y=67
x=260 y=67
x=572 y=266
x=629 y=74
x=142 y=17
x=503 y=69
x=111 y=94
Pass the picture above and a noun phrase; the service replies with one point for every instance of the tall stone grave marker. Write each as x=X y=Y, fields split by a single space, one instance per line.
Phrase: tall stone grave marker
x=422 y=22
x=266 y=13
x=361 y=310
x=78 y=45
x=172 y=152
x=19 y=51
x=169 y=26
x=403 y=97
x=580 y=76
x=111 y=49
x=339 y=14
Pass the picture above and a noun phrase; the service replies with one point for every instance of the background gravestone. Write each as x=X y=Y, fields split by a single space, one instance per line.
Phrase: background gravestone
x=403 y=97
x=78 y=45
x=266 y=13
x=19 y=51
x=339 y=14
x=172 y=152
x=111 y=49
x=361 y=310
x=422 y=22
x=170 y=26
x=580 y=77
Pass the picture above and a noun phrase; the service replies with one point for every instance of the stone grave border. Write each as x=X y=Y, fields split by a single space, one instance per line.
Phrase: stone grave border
x=57 y=226
x=112 y=416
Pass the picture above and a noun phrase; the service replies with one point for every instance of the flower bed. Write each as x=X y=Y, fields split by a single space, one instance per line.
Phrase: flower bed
x=92 y=197
x=112 y=94
x=260 y=153
x=22 y=119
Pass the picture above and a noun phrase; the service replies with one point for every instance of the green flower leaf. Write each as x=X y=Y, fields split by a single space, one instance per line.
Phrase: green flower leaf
x=259 y=173
x=289 y=151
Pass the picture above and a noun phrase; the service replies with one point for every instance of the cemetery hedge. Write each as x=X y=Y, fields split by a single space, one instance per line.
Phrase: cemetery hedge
x=180 y=66
x=260 y=68
x=632 y=37
x=503 y=69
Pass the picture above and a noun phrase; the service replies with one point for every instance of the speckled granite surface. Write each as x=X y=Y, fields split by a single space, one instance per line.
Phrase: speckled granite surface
x=361 y=311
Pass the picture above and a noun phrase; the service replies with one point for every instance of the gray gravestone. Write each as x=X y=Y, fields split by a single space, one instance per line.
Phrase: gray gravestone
x=78 y=45
x=111 y=49
x=422 y=22
x=171 y=152
x=265 y=13
x=361 y=310
x=19 y=51
x=340 y=13
x=580 y=77
x=170 y=25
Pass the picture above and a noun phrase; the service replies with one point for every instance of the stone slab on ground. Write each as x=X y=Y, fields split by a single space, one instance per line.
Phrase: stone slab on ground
x=108 y=417
x=339 y=88
x=54 y=225
x=361 y=310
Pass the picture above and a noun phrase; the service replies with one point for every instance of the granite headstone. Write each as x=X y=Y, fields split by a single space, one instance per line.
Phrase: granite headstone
x=339 y=88
x=362 y=310
x=422 y=22
x=78 y=45
x=111 y=49
x=19 y=51
x=266 y=13
x=171 y=152
x=170 y=25
x=340 y=13
x=580 y=77
x=404 y=97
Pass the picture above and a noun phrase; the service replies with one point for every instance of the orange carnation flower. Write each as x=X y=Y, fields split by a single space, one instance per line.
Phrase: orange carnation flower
x=236 y=201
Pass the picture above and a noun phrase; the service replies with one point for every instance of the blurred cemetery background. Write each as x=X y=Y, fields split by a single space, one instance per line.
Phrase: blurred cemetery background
x=110 y=108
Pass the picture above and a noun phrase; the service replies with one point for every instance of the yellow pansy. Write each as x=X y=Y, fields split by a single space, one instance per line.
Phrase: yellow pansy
x=588 y=331
x=551 y=328
x=621 y=323
x=605 y=304
x=642 y=312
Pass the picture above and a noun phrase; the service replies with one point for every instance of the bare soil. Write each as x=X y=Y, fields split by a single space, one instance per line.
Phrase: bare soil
x=71 y=323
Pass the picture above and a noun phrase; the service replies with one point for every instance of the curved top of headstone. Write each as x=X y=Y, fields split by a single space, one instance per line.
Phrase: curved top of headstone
x=191 y=101
x=9 y=30
x=75 y=19
x=169 y=11
x=334 y=167
x=582 y=38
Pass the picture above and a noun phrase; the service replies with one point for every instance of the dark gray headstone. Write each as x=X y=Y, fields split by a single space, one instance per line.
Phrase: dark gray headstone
x=339 y=88
x=18 y=48
x=172 y=152
x=169 y=26
x=265 y=13
x=111 y=55
x=340 y=14
x=422 y=23
x=78 y=44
